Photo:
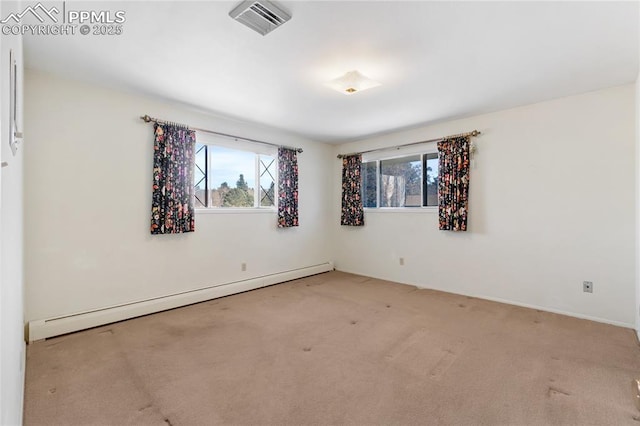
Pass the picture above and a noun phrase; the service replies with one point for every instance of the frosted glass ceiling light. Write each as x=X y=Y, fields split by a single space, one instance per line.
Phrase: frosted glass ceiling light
x=352 y=82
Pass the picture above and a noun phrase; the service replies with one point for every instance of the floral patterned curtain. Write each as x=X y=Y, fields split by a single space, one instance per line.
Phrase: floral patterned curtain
x=453 y=186
x=172 y=209
x=352 y=211
x=287 y=188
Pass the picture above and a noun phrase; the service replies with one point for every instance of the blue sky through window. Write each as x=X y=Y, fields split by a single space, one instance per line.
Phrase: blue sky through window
x=227 y=165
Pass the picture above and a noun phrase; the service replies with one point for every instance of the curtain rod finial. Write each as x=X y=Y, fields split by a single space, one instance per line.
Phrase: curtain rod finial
x=146 y=118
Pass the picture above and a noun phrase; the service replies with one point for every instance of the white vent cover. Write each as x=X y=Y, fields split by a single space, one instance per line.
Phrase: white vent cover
x=262 y=16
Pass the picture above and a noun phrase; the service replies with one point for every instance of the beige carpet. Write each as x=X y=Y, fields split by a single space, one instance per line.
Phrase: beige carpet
x=337 y=349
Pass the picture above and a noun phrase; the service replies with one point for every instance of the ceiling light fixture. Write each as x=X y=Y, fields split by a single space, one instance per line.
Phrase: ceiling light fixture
x=352 y=82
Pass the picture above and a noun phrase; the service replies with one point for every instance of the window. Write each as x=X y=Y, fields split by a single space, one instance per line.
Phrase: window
x=409 y=181
x=400 y=182
x=430 y=162
x=227 y=177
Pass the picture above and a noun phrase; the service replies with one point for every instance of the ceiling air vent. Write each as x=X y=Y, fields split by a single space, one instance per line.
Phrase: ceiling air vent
x=262 y=16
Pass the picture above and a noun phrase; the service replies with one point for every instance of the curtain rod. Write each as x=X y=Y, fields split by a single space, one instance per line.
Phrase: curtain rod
x=148 y=119
x=472 y=133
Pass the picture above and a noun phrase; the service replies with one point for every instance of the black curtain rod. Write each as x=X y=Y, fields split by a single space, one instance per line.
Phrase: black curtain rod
x=472 y=133
x=148 y=119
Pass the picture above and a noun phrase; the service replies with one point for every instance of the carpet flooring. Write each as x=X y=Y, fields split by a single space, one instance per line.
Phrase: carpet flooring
x=337 y=349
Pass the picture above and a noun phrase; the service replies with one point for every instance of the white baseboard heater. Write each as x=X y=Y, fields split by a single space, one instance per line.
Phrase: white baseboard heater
x=45 y=328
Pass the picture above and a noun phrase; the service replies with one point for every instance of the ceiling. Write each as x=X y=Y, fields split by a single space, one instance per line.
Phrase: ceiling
x=435 y=60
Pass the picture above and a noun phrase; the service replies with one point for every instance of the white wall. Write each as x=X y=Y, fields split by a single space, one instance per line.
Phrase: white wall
x=88 y=198
x=12 y=352
x=551 y=205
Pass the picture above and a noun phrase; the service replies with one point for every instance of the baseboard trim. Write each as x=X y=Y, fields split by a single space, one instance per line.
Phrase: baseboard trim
x=557 y=311
x=45 y=328
x=511 y=302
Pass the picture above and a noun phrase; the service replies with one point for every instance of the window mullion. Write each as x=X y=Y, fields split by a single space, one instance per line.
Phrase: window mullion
x=378 y=183
x=423 y=182
x=256 y=183
x=209 y=155
x=207 y=176
x=276 y=181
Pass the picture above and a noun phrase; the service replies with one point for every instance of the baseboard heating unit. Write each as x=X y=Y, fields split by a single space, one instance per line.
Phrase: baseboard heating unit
x=45 y=328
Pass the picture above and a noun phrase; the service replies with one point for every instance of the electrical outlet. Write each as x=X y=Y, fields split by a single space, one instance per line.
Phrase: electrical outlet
x=402 y=261
x=587 y=286
x=243 y=266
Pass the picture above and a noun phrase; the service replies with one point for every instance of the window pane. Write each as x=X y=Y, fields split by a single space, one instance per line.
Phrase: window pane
x=232 y=177
x=200 y=175
x=431 y=179
x=369 y=184
x=267 y=166
x=401 y=182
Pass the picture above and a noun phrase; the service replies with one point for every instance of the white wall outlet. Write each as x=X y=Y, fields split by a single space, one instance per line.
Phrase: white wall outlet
x=243 y=266
x=587 y=286
x=402 y=261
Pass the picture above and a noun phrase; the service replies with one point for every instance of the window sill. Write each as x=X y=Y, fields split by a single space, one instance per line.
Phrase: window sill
x=224 y=210
x=401 y=210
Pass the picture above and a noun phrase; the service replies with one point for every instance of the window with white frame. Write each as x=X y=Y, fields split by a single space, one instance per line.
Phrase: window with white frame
x=405 y=181
x=234 y=174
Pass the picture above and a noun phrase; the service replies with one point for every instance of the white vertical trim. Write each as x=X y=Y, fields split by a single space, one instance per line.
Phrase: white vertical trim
x=378 y=183
x=209 y=178
x=423 y=167
x=257 y=189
